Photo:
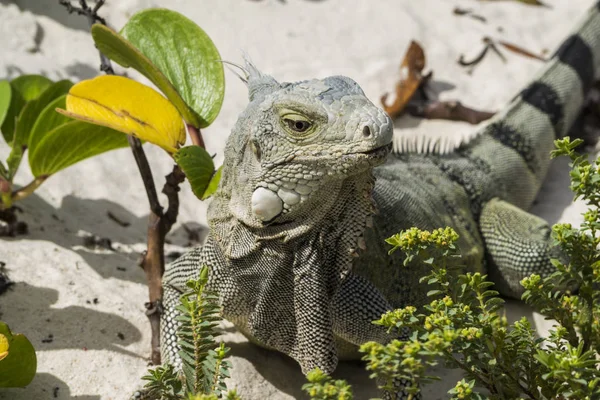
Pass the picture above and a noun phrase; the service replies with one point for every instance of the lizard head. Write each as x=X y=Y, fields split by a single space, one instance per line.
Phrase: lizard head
x=296 y=143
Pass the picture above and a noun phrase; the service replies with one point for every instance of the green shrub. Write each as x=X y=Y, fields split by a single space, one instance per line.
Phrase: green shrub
x=463 y=328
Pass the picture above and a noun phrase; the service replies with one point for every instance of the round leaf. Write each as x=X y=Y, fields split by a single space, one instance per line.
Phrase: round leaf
x=198 y=167
x=70 y=143
x=10 y=119
x=30 y=86
x=127 y=106
x=5 y=95
x=47 y=121
x=185 y=54
x=213 y=184
x=3 y=347
x=19 y=363
x=118 y=49
x=33 y=109
x=27 y=118
x=24 y=89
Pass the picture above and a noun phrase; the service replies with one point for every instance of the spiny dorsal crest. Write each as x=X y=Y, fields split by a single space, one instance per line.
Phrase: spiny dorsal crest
x=259 y=84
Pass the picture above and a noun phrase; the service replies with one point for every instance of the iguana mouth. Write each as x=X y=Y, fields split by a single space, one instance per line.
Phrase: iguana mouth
x=378 y=152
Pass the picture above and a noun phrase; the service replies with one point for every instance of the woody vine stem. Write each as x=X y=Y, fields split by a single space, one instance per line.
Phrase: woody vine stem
x=159 y=221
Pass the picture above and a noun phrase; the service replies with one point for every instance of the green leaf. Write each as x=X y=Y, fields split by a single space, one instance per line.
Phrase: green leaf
x=18 y=362
x=118 y=49
x=5 y=95
x=198 y=167
x=71 y=143
x=24 y=89
x=31 y=86
x=10 y=119
x=14 y=160
x=27 y=119
x=3 y=171
x=185 y=54
x=213 y=184
x=33 y=109
x=47 y=121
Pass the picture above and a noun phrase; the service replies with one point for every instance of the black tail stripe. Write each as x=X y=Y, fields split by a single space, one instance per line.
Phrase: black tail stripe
x=543 y=97
x=511 y=138
x=577 y=54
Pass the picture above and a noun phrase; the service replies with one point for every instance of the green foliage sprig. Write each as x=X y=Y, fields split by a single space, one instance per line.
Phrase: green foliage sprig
x=323 y=387
x=205 y=367
x=203 y=362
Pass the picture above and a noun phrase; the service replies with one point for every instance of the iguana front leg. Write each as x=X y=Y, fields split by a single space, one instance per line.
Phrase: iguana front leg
x=356 y=305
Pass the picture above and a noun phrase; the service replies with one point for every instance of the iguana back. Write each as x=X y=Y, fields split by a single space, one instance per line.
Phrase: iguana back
x=482 y=188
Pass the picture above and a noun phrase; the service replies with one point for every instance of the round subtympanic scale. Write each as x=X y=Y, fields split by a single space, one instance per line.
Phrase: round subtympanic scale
x=266 y=205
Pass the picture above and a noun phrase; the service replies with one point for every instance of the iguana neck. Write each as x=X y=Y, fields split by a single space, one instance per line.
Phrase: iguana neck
x=270 y=263
x=342 y=210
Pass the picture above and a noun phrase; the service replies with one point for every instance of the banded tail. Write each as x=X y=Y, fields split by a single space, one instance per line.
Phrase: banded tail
x=517 y=141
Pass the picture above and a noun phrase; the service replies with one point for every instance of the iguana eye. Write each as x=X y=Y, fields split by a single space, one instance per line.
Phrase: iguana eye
x=297 y=125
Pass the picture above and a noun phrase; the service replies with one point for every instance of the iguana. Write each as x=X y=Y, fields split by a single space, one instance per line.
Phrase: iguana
x=309 y=191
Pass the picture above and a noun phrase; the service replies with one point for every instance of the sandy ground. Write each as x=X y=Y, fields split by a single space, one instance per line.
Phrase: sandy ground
x=90 y=302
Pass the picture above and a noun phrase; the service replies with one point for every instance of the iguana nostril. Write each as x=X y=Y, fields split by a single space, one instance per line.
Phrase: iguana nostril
x=366 y=131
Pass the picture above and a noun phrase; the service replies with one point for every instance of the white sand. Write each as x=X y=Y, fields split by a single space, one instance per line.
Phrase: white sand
x=57 y=278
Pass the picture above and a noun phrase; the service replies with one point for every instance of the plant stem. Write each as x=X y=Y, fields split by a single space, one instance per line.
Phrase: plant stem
x=5 y=193
x=159 y=223
x=195 y=135
x=146 y=173
x=489 y=386
x=29 y=189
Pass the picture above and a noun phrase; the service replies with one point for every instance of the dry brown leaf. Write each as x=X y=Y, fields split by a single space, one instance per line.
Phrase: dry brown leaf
x=529 y=2
x=521 y=51
x=533 y=3
x=411 y=77
x=412 y=80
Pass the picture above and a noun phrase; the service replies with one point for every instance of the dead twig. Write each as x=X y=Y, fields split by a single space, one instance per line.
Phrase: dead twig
x=450 y=110
x=491 y=44
x=92 y=15
x=469 y=12
x=521 y=51
x=528 y=2
x=118 y=220
x=475 y=61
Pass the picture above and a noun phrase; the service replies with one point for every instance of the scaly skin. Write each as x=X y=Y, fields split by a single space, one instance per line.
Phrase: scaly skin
x=290 y=250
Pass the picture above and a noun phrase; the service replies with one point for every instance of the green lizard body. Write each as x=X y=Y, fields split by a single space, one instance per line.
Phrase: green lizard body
x=296 y=250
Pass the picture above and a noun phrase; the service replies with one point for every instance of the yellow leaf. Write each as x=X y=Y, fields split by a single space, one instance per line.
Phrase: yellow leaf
x=3 y=346
x=129 y=107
